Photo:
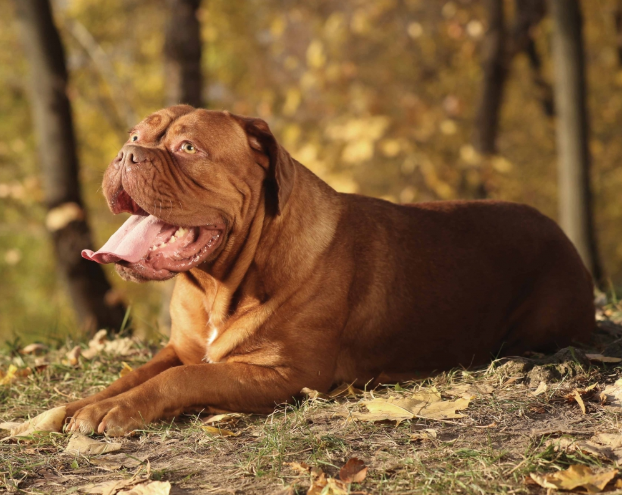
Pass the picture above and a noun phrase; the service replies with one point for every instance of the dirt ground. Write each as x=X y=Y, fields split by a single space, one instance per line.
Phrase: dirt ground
x=523 y=417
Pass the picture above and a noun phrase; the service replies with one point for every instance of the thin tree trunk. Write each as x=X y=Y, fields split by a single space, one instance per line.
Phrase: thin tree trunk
x=575 y=197
x=617 y=19
x=182 y=51
x=184 y=84
x=495 y=67
x=529 y=13
x=91 y=294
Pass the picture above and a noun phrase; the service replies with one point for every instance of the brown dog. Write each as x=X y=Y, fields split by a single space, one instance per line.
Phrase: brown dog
x=283 y=283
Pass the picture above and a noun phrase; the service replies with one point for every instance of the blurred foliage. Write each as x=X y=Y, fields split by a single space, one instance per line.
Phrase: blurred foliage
x=376 y=97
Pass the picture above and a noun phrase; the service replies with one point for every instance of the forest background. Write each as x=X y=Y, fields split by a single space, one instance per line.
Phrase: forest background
x=377 y=97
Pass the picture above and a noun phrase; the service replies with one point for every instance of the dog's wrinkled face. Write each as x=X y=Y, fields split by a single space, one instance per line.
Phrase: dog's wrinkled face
x=186 y=176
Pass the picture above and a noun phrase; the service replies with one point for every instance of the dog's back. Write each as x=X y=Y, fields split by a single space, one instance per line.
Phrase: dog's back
x=442 y=284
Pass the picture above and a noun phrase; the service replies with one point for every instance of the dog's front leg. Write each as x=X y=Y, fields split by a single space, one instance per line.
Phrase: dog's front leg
x=238 y=387
x=163 y=360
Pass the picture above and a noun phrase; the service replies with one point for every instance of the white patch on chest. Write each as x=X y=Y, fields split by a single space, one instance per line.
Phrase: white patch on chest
x=213 y=333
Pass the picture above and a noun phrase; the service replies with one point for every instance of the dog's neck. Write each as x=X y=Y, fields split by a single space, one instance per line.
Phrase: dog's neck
x=244 y=288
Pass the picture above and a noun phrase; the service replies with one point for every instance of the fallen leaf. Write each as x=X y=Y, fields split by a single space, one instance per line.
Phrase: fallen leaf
x=227 y=418
x=34 y=349
x=599 y=358
x=288 y=490
x=300 y=467
x=125 y=370
x=81 y=444
x=443 y=409
x=383 y=410
x=574 y=477
x=48 y=421
x=9 y=425
x=114 y=462
x=432 y=395
x=327 y=486
x=426 y=434
x=612 y=395
x=73 y=356
x=579 y=400
x=108 y=487
x=221 y=432
x=13 y=373
x=354 y=471
x=149 y=488
x=604 y=445
x=542 y=387
x=469 y=390
x=401 y=409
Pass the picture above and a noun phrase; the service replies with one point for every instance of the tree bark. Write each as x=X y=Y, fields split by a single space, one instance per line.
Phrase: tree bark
x=575 y=196
x=182 y=52
x=95 y=303
x=495 y=67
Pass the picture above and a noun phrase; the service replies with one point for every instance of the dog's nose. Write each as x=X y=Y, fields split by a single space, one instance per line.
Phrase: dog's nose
x=130 y=154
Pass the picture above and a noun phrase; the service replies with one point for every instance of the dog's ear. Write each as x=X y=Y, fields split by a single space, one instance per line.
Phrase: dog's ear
x=280 y=165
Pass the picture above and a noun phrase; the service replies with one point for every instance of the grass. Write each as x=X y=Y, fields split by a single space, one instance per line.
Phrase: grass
x=503 y=436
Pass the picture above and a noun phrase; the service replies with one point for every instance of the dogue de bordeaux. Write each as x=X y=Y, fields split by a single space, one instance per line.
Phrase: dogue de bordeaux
x=284 y=283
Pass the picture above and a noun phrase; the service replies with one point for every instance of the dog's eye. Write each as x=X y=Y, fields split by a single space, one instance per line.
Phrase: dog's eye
x=134 y=138
x=188 y=148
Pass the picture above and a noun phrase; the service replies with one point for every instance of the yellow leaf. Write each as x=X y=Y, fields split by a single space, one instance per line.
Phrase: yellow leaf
x=579 y=400
x=81 y=444
x=9 y=376
x=125 y=370
x=49 y=421
x=574 y=477
x=220 y=432
x=149 y=488
x=542 y=387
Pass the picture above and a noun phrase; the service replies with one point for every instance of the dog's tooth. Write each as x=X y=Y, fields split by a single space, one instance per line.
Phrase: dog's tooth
x=172 y=239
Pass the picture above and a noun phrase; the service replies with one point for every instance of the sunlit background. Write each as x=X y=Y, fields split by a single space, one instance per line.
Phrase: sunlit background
x=375 y=96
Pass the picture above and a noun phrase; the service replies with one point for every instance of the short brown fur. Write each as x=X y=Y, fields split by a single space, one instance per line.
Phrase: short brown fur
x=311 y=287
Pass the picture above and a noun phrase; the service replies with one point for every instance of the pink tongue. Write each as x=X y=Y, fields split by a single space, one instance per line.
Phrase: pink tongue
x=130 y=243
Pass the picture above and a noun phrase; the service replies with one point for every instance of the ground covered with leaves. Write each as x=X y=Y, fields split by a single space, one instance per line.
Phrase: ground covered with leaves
x=532 y=425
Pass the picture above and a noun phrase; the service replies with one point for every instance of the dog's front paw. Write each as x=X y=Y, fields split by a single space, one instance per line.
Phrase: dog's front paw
x=115 y=417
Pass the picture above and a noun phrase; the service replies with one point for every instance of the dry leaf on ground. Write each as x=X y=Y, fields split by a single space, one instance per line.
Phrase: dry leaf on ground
x=354 y=471
x=149 y=488
x=48 y=421
x=604 y=445
x=574 y=477
x=426 y=434
x=542 y=387
x=599 y=358
x=12 y=374
x=220 y=432
x=73 y=356
x=125 y=370
x=327 y=486
x=424 y=404
x=114 y=462
x=226 y=418
x=300 y=467
x=121 y=346
x=612 y=395
x=82 y=444
x=579 y=400
x=469 y=390
x=34 y=349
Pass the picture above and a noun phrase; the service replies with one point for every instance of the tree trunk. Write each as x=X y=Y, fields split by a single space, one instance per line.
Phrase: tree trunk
x=495 y=72
x=575 y=198
x=182 y=52
x=93 y=299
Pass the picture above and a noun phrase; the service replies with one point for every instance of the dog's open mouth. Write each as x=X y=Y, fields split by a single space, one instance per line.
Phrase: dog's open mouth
x=154 y=249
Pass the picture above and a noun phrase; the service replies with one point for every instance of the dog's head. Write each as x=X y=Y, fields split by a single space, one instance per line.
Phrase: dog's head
x=188 y=177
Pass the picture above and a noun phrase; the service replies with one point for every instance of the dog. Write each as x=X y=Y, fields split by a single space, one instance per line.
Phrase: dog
x=284 y=283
